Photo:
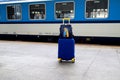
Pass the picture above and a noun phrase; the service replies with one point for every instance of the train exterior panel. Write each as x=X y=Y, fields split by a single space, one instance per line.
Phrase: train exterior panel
x=89 y=19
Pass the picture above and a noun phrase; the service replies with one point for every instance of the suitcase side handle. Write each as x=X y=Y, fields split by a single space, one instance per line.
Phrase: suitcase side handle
x=67 y=19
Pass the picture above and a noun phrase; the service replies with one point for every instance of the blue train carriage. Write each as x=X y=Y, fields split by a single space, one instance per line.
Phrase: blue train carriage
x=93 y=21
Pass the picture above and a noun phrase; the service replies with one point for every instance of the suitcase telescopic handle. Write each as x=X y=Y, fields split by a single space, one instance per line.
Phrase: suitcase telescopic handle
x=66 y=19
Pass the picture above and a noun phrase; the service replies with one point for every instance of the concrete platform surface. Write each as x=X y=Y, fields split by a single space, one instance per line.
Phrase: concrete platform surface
x=38 y=61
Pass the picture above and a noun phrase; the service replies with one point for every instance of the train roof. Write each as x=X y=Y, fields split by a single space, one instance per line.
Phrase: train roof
x=19 y=1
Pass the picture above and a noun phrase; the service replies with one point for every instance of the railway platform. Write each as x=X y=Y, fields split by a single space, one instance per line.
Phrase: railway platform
x=38 y=61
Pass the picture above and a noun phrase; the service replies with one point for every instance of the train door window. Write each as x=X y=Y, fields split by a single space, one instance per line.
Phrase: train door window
x=96 y=8
x=14 y=12
x=64 y=10
x=37 y=11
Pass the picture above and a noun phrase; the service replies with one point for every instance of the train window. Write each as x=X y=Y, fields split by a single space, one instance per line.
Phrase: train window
x=14 y=12
x=96 y=8
x=37 y=11
x=0 y=12
x=64 y=10
x=0 y=15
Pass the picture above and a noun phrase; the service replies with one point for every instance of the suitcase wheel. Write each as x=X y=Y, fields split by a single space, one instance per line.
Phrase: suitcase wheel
x=73 y=60
x=60 y=59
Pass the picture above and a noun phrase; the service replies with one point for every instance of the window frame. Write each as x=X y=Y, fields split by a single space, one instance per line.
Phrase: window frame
x=29 y=11
x=7 y=13
x=96 y=18
x=63 y=2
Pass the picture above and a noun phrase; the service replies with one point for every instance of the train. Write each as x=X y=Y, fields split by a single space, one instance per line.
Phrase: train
x=93 y=21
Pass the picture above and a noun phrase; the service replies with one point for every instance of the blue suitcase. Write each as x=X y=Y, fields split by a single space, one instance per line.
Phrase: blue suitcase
x=66 y=50
x=66 y=43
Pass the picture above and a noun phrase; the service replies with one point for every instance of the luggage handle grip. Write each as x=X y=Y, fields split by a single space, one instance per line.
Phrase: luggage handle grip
x=66 y=19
